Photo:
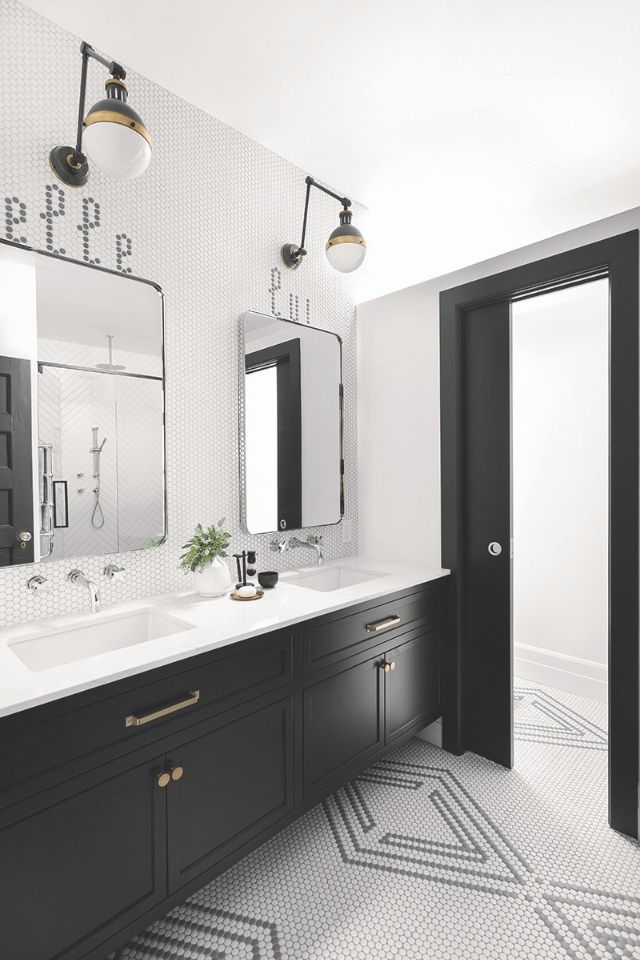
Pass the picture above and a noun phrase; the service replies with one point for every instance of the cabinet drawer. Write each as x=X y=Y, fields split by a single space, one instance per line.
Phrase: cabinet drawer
x=178 y=695
x=336 y=638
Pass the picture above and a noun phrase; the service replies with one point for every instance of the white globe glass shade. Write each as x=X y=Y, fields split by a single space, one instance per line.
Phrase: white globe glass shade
x=117 y=149
x=346 y=257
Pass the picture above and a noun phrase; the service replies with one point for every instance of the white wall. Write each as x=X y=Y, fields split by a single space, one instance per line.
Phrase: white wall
x=559 y=483
x=399 y=401
x=211 y=238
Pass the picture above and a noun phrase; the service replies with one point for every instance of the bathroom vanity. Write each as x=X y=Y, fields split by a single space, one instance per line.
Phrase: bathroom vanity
x=132 y=777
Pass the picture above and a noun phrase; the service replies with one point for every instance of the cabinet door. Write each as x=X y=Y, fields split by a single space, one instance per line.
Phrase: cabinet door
x=236 y=782
x=413 y=684
x=342 y=724
x=82 y=868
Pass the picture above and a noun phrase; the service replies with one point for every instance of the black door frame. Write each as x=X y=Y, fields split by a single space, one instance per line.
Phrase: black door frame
x=618 y=259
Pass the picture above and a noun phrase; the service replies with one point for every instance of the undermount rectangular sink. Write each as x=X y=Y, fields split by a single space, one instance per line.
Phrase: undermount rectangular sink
x=333 y=578
x=89 y=638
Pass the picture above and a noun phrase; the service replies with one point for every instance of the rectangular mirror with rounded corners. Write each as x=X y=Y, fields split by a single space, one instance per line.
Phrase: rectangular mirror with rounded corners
x=82 y=442
x=291 y=427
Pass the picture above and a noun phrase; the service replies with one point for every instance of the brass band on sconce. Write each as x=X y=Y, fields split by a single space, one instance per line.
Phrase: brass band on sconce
x=110 y=116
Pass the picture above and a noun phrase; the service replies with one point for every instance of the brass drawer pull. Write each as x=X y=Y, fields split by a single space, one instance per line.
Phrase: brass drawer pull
x=134 y=721
x=383 y=624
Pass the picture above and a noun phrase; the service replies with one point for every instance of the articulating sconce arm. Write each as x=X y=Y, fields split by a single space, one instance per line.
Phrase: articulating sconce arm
x=115 y=69
x=292 y=254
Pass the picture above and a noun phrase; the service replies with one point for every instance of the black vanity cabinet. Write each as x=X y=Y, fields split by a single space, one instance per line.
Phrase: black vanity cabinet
x=233 y=784
x=412 y=688
x=105 y=823
x=343 y=723
x=87 y=860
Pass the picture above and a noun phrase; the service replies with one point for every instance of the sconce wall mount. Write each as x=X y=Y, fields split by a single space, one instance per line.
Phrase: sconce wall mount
x=114 y=134
x=346 y=247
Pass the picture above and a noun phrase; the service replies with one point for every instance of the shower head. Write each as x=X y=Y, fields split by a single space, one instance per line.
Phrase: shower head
x=113 y=367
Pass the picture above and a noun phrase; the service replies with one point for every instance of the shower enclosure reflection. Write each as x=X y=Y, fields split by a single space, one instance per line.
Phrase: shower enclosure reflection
x=82 y=410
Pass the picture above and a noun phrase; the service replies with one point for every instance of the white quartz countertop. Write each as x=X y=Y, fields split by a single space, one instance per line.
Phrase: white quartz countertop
x=213 y=623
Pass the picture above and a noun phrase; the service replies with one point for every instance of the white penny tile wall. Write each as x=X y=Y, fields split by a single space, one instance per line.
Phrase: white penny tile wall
x=206 y=223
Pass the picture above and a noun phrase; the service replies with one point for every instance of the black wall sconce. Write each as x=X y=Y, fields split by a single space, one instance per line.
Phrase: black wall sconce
x=346 y=247
x=114 y=135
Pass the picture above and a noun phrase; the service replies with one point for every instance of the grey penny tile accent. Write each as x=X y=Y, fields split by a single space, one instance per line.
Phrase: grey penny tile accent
x=541 y=717
x=427 y=856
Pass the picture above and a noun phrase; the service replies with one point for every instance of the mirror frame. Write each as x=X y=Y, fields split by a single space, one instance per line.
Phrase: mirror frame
x=156 y=286
x=242 y=431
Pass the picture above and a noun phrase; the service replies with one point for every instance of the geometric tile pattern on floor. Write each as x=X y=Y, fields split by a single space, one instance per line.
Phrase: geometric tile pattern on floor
x=541 y=717
x=195 y=930
x=593 y=924
x=428 y=855
x=435 y=830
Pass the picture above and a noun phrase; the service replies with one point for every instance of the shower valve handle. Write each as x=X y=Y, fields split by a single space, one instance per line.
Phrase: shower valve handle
x=113 y=572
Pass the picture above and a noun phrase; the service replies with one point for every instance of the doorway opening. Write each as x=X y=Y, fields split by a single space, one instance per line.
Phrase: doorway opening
x=476 y=483
x=560 y=552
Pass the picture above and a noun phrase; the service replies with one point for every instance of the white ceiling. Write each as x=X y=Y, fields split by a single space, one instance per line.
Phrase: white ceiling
x=468 y=128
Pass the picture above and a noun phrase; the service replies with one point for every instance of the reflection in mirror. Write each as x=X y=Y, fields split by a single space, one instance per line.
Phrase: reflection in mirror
x=292 y=465
x=81 y=410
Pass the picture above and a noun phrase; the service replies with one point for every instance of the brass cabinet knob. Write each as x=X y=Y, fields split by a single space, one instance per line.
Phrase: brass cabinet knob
x=392 y=665
x=176 y=773
x=387 y=667
x=163 y=779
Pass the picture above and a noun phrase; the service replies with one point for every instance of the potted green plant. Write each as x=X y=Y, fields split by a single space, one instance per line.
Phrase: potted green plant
x=204 y=558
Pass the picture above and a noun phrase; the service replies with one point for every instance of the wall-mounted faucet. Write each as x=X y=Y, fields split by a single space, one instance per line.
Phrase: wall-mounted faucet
x=77 y=576
x=313 y=542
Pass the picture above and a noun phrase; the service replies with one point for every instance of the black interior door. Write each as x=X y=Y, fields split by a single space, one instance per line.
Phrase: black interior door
x=16 y=483
x=486 y=530
x=477 y=660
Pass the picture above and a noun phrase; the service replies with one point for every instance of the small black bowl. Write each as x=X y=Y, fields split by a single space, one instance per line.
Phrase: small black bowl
x=268 y=579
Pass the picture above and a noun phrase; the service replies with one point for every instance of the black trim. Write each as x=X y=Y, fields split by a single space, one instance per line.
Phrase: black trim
x=617 y=258
x=285 y=357
x=60 y=517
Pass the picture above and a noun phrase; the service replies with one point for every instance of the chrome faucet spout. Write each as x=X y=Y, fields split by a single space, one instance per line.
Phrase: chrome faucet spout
x=77 y=576
x=312 y=541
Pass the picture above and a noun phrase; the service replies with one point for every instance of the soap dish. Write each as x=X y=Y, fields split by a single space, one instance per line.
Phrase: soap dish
x=259 y=595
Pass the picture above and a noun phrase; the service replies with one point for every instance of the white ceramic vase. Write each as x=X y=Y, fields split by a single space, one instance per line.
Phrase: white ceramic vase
x=214 y=580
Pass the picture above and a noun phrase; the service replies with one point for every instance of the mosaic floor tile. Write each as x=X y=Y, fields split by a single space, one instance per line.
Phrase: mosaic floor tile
x=426 y=855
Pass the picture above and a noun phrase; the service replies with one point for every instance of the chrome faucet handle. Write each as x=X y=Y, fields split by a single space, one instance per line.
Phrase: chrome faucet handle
x=113 y=572
x=279 y=545
x=76 y=576
x=38 y=583
x=314 y=538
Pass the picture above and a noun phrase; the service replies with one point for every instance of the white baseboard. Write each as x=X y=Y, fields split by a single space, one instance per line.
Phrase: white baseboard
x=432 y=733
x=582 y=677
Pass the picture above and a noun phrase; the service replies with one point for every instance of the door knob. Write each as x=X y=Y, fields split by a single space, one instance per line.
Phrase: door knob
x=495 y=549
x=23 y=537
